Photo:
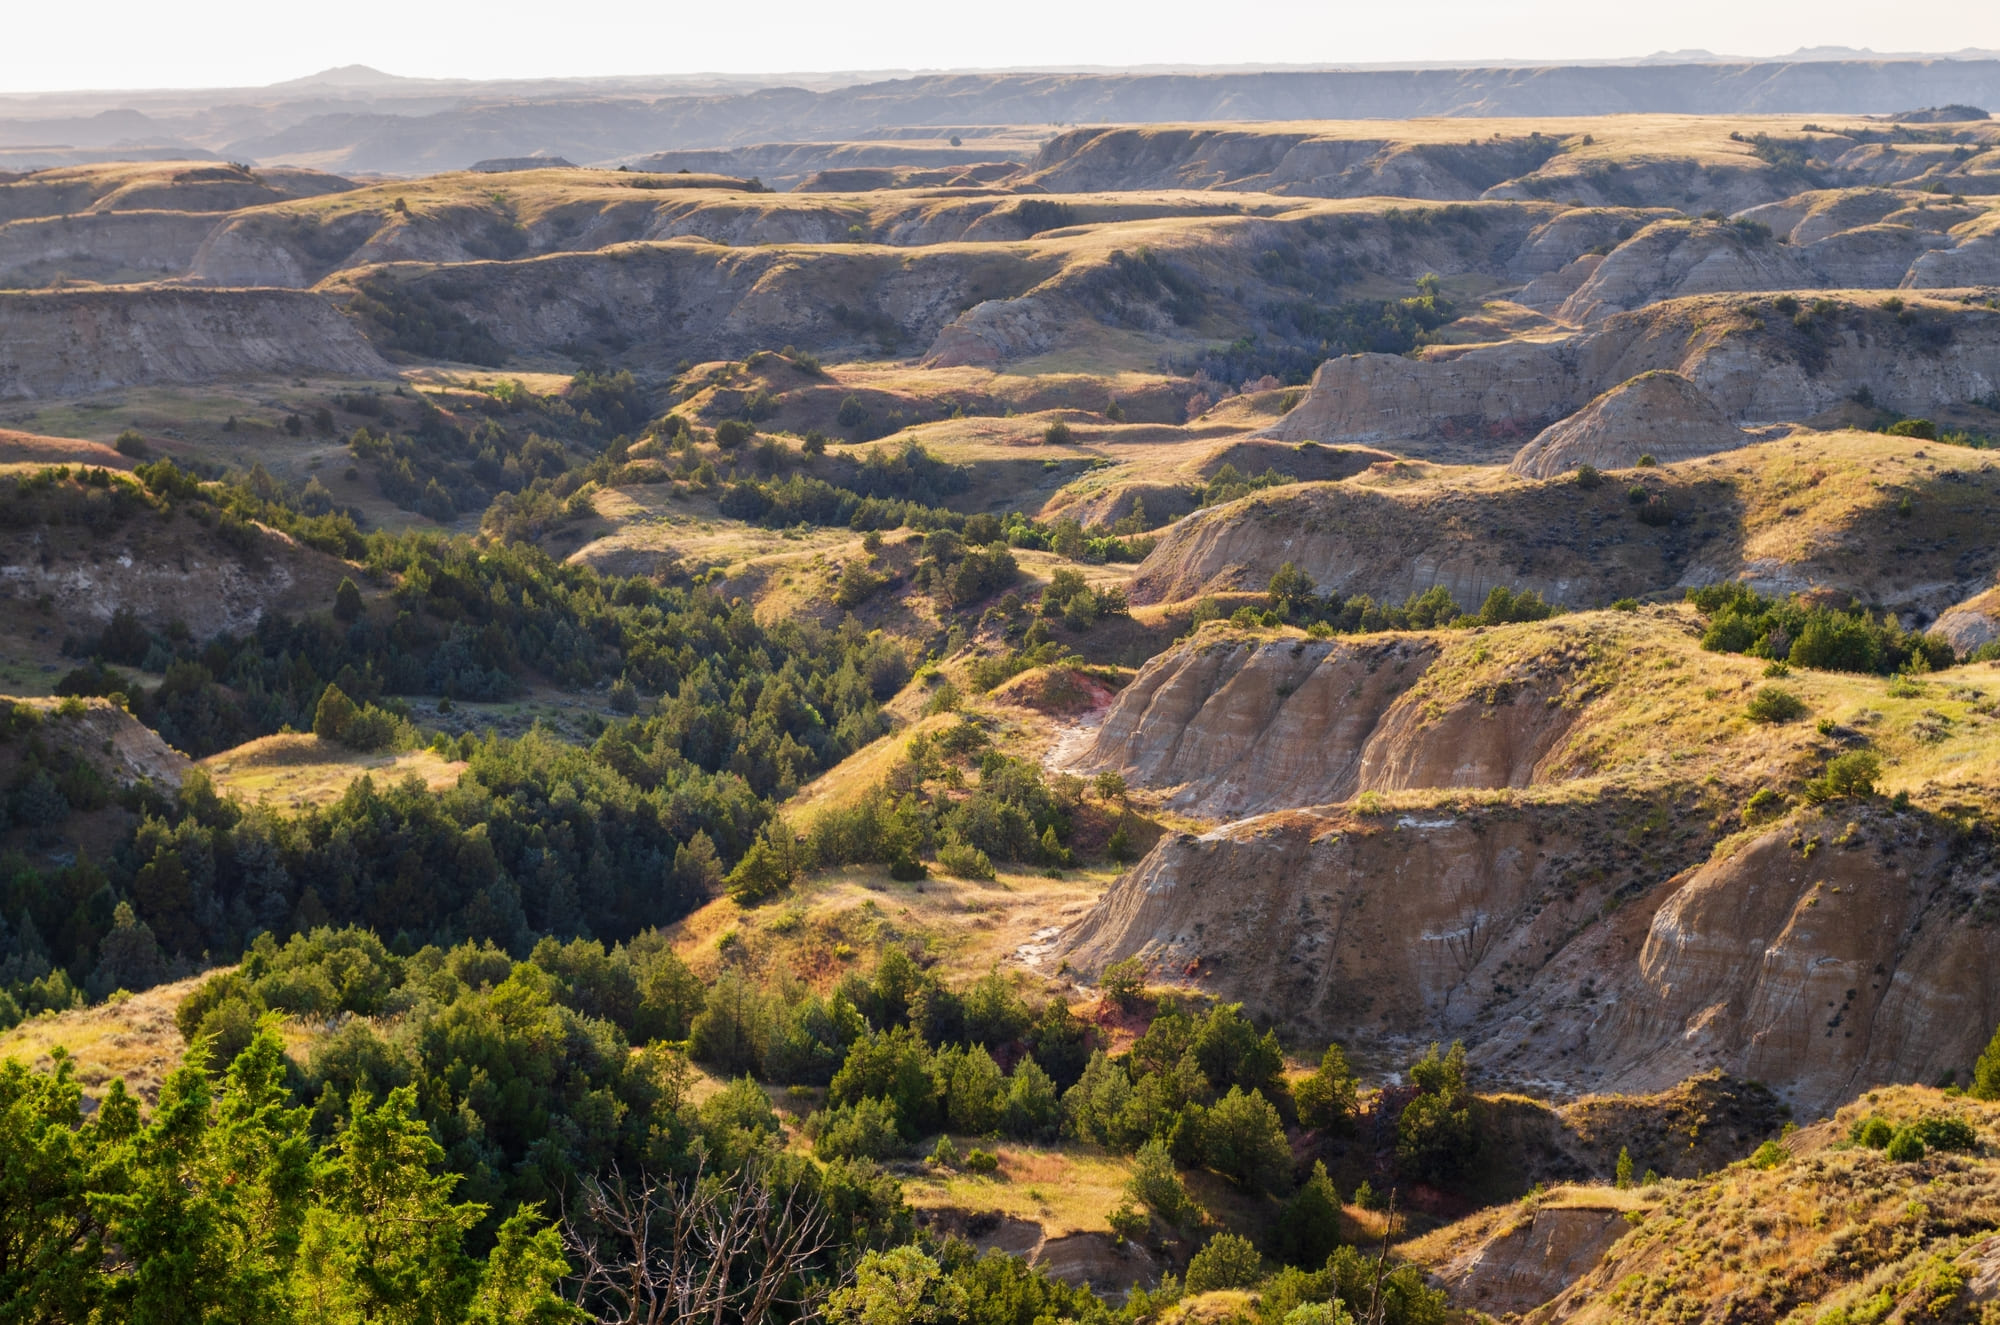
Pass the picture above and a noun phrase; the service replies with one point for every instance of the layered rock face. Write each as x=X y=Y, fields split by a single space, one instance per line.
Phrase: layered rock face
x=1283 y=160
x=795 y=165
x=1671 y=259
x=1519 y=838
x=1564 y=955
x=1862 y=958
x=1233 y=727
x=1678 y=258
x=1535 y=1259
x=163 y=571
x=102 y=244
x=1208 y=721
x=1659 y=414
x=1338 y=925
x=713 y=301
x=1972 y=624
x=59 y=343
x=1757 y=366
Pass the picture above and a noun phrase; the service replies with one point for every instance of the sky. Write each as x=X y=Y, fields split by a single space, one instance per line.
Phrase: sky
x=235 y=43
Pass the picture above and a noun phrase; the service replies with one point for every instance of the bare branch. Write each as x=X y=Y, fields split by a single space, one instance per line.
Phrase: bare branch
x=703 y=1251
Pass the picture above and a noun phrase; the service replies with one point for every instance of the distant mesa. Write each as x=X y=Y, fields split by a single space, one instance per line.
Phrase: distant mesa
x=346 y=75
x=1939 y=115
x=1660 y=414
x=500 y=165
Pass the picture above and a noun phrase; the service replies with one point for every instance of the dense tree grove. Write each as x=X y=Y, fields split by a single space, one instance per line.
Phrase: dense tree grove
x=427 y=461
x=478 y=624
x=475 y=1138
x=1787 y=630
x=538 y=837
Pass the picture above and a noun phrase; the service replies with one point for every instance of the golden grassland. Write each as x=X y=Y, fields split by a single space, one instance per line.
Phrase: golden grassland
x=1063 y=1188
x=848 y=781
x=1649 y=706
x=133 y=1038
x=838 y=919
x=1832 y=1226
x=1616 y=137
x=298 y=770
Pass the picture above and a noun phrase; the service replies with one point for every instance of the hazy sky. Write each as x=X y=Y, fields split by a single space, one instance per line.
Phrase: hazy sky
x=204 y=43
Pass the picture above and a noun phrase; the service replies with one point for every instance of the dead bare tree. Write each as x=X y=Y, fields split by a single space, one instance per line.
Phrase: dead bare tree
x=701 y=1251
x=1378 y=1306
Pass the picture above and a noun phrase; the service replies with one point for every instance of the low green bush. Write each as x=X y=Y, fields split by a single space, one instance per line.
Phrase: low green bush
x=1850 y=776
x=1873 y=1131
x=1905 y=1147
x=964 y=862
x=1938 y=1132
x=1774 y=704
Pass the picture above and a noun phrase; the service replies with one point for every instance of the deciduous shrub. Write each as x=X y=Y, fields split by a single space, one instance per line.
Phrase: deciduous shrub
x=1124 y=981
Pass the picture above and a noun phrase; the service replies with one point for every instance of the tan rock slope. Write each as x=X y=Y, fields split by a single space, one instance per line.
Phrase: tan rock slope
x=1672 y=259
x=109 y=738
x=1972 y=624
x=1660 y=414
x=1538 y=933
x=66 y=343
x=1789 y=515
x=164 y=568
x=1229 y=723
x=1239 y=727
x=1758 y=360
x=1570 y=906
x=1535 y=1256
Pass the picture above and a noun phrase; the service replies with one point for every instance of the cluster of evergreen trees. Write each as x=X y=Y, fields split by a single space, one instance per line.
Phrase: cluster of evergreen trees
x=408 y=1168
x=1741 y=620
x=219 y=1205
